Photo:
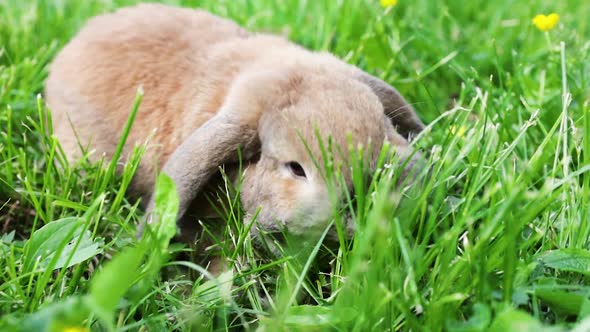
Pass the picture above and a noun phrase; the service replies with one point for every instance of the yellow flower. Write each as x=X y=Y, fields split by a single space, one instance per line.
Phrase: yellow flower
x=388 y=3
x=546 y=23
x=75 y=329
x=459 y=132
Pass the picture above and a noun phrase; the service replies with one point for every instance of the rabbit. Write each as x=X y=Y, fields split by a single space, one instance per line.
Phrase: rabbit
x=214 y=93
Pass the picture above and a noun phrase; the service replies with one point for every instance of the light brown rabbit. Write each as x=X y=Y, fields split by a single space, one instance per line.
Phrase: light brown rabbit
x=212 y=88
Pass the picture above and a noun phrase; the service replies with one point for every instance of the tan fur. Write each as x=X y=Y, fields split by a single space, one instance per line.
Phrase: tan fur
x=211 y=88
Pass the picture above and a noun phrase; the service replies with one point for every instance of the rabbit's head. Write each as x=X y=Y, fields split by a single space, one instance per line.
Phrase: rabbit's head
x=287 y=123
x=286 y=185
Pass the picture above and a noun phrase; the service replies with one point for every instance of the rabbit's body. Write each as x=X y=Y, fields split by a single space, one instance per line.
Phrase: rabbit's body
x=97 y=75
x=209 y=87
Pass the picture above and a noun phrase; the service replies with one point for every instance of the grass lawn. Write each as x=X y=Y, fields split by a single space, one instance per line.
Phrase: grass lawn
x=497 y=237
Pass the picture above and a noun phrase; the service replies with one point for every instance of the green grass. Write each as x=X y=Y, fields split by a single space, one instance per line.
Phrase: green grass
x=496 y=238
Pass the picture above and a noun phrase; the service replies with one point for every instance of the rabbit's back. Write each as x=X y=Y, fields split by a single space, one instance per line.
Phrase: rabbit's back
x=93 y=81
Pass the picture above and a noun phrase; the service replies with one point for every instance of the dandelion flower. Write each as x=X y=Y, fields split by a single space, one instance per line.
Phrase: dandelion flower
x=388 y=3
x=458 y=131
x=75 y=329
x=546 y=22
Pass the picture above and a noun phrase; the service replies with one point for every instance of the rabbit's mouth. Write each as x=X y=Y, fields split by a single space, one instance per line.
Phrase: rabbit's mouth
x=274 y=239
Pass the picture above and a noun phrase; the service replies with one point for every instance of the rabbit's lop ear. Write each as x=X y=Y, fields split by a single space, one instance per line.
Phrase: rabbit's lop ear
x=197 y=159
x=401 y=114
x=234 y=127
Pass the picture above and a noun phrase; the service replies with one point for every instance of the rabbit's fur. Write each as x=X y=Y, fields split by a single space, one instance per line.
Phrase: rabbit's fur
x=212 y=88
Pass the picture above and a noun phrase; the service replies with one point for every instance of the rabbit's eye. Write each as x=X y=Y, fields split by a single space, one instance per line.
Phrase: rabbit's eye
x=296 y=169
